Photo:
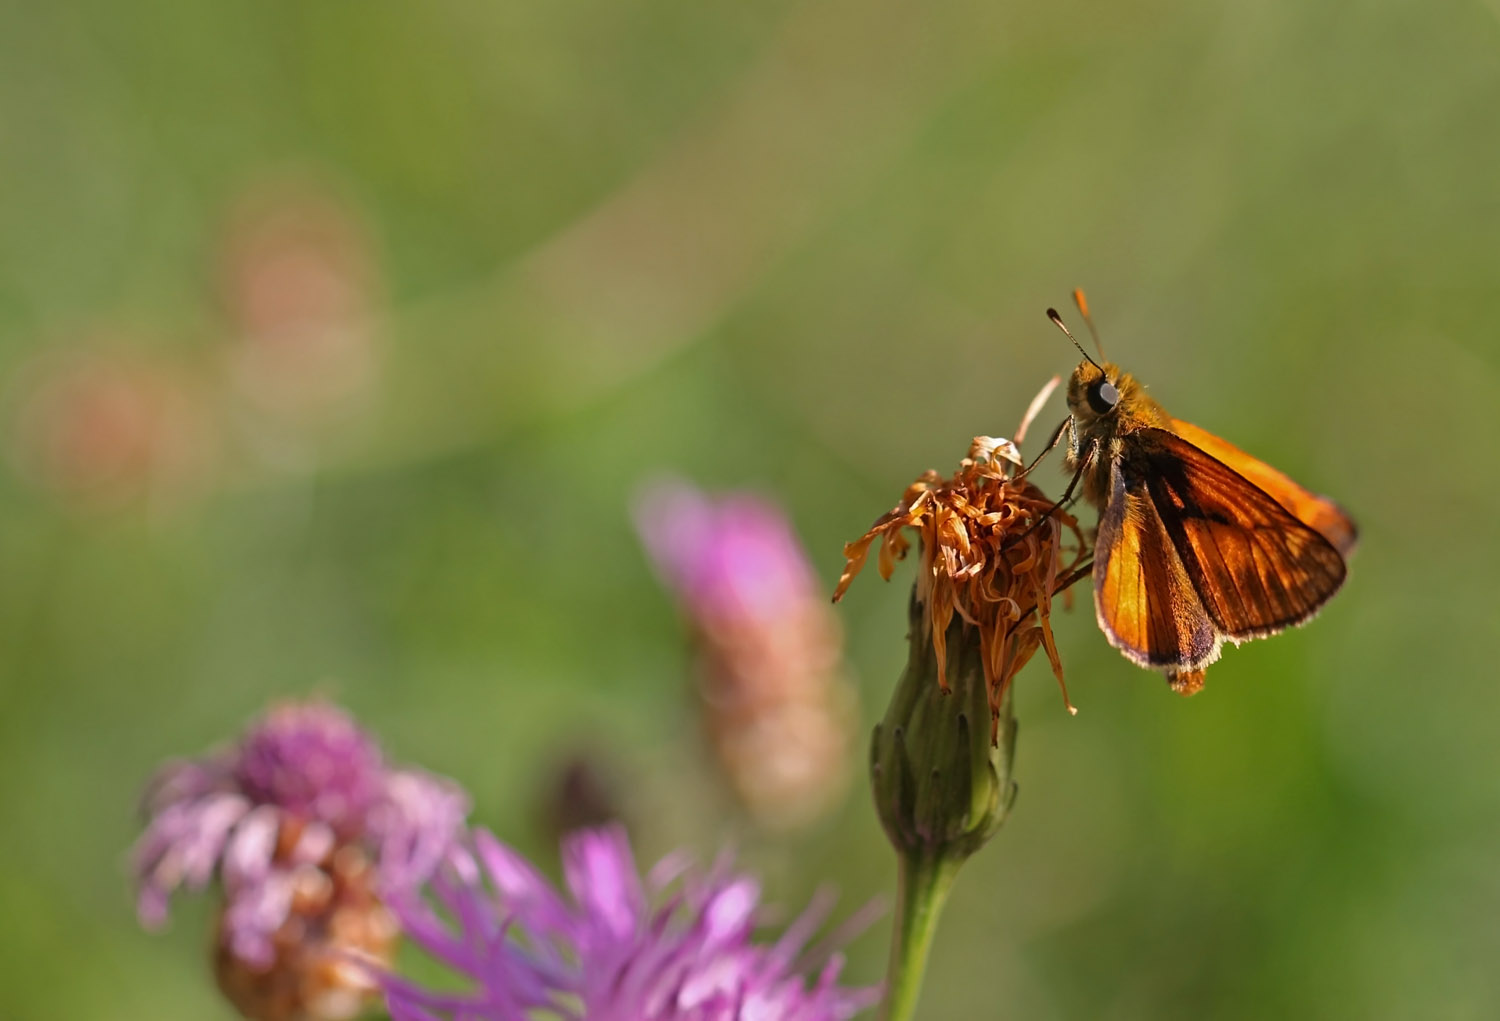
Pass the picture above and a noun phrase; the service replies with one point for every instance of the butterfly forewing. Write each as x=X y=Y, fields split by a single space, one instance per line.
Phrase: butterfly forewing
x=1317 y=512
x=1254 y=566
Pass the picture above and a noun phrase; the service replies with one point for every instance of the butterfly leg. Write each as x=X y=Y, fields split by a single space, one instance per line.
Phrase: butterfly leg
x=1084 y=466
x=1057 y=435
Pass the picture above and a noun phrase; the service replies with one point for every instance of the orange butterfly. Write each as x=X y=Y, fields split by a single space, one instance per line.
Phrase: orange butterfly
x=1198 y=542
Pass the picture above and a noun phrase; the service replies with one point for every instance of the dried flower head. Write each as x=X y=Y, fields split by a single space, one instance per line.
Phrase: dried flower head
x=676 y=945
x=777 y=707
x=304 y=826
x=992 y=554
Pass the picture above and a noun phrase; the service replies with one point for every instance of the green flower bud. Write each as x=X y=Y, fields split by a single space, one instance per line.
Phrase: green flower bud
x=940 y=760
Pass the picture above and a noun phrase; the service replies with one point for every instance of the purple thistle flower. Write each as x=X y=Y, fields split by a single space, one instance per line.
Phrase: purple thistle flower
x=675 y=946
x=304 y=782
x=776 y=706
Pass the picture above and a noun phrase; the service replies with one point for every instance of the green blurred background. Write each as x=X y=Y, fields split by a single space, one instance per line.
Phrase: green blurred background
x=799 y=247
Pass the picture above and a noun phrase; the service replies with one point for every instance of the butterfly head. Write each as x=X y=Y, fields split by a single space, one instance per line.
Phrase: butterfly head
x=1096 y=391
x=1095 y=387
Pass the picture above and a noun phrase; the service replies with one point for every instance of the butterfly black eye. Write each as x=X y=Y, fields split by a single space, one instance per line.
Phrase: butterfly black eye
x=1103 y=396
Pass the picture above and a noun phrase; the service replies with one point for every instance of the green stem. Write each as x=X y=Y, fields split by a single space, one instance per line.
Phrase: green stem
x=926 y=880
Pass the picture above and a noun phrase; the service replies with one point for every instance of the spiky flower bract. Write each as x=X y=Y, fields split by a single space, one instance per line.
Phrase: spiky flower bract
x=675 y=945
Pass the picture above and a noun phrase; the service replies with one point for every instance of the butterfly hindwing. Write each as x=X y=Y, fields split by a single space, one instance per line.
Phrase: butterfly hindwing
x=1254 y=566
x=1145 y=601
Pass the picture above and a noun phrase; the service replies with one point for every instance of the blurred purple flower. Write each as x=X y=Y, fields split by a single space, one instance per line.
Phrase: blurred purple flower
x=303 y=783
x=675 y=946
x=727 y=559
x=777 y=709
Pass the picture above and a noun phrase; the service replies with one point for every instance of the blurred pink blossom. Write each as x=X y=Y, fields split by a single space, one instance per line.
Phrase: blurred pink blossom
x=302 y=290
x=777 y=707
x=106 y=428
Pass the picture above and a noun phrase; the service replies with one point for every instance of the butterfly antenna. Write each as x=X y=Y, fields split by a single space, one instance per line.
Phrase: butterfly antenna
x=1057 y=321
x=1083 y=310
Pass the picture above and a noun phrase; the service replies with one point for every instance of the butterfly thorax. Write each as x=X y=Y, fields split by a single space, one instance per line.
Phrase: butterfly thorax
x=1106 y=406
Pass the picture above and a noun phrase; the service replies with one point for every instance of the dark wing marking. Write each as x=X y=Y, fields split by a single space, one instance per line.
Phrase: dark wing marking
x=1255 y=567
